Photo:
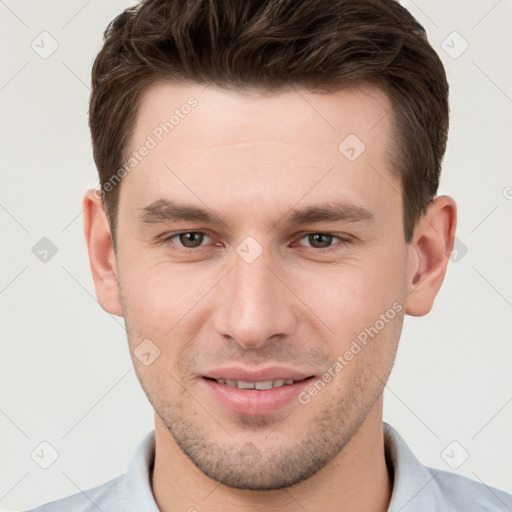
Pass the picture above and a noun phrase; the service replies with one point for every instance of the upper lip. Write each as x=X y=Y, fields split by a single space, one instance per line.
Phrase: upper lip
x=262 y=375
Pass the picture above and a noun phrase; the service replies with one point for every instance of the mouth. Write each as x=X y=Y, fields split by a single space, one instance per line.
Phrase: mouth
x=259 y=385
x=256 y=396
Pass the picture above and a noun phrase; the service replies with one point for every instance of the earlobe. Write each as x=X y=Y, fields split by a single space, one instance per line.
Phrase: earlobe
x=430 y=252
x=102 y=257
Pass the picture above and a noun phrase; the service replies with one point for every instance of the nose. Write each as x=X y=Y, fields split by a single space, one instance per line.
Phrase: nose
x=254 y=303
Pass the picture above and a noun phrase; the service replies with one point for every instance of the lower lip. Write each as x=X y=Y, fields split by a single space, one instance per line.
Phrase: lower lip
x=253 y=402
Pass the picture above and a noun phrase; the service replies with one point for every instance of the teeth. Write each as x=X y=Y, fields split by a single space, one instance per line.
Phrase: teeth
x=241 y=384
x=264 y=385
x=261 y=386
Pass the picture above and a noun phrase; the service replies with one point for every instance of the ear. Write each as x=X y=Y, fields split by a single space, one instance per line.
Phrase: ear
x=430 y=251
x=101 y=253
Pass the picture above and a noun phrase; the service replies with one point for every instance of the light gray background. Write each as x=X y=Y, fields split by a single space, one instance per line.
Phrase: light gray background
x=66 y=376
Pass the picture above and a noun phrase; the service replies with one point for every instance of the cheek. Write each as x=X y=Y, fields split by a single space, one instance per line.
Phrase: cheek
x=351 y=297
x=160 y=296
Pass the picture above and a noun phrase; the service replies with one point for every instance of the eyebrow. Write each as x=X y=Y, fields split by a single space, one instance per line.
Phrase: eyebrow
x=165 y=210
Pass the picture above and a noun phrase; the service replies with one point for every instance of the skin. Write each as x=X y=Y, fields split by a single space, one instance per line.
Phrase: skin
x=251 y=158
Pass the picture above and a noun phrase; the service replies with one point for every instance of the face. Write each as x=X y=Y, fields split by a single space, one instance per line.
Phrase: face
x=261 y=244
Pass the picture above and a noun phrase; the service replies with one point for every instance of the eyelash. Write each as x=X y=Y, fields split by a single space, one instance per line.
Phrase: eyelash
x=343 y=240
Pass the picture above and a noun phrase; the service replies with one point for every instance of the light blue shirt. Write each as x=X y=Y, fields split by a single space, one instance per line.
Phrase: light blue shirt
x=416 y=488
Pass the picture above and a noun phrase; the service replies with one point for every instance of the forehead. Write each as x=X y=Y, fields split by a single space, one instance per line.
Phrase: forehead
x=238 y=115
x=229 y=145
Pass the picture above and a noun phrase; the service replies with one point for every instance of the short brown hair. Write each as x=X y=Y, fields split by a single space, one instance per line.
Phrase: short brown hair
x=268 y=45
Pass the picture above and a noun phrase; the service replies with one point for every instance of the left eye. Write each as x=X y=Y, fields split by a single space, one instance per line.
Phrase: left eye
x=321 y=240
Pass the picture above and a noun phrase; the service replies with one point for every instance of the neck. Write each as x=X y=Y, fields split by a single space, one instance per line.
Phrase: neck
x=356 y=479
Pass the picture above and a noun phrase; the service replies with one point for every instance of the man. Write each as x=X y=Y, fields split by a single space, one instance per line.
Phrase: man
x=267 y=216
